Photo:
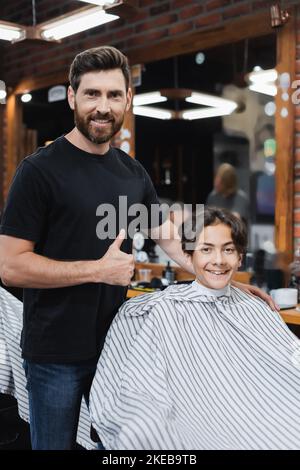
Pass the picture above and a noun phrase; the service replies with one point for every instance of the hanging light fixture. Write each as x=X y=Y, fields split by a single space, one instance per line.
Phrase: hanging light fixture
x=214 y=106
x=75 y=23
x=148 y=98
x=11 y=32
x=150 y=111
x=263 y=81
x=70 y=23
x=203 y=113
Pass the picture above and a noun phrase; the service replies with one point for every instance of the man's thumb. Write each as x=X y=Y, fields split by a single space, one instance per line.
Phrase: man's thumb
x=119 y=240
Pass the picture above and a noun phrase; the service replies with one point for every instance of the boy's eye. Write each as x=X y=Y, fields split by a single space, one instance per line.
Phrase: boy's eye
x=229 y=250
x=205 y=250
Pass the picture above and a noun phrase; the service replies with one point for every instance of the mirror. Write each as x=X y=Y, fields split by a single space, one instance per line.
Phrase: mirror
x=182 y=156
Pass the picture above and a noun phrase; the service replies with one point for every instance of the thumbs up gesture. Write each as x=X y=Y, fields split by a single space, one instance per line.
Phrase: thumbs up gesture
x=116 y=267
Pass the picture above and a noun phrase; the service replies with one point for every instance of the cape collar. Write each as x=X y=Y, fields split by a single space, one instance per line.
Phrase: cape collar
x=197 y=293
x=203 y=290
x=193 y=292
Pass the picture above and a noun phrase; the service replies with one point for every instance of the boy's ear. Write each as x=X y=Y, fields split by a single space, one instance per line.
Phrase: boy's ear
x=240 y=260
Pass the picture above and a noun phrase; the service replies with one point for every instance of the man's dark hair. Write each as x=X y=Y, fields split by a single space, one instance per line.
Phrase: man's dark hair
x=213 y=216
x=96 y=60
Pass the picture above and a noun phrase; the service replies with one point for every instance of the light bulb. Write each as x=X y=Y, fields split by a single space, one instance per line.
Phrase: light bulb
x=26 y=97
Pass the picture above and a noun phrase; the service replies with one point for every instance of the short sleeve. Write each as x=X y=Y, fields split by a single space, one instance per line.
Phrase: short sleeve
x=25 y=210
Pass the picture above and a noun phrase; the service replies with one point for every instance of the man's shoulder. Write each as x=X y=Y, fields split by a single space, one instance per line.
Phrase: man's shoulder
x=127 y=160
x=42 y=154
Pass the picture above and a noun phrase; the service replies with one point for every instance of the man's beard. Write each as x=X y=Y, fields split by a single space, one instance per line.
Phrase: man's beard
x=94 y=135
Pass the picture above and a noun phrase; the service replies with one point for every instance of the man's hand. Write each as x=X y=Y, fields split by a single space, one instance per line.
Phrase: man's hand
x=258 y=292
x=115 y=267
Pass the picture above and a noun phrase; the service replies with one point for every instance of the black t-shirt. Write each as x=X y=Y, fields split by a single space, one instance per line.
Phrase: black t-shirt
x=53 y=201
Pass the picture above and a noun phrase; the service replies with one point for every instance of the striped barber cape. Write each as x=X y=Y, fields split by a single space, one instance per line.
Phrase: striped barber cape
x=193 y=368
x=12 y=375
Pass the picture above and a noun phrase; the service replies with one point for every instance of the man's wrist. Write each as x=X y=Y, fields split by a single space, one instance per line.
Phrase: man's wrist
x=94 y=270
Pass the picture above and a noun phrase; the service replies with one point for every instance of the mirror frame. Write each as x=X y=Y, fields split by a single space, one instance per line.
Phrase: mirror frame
x=232 y=31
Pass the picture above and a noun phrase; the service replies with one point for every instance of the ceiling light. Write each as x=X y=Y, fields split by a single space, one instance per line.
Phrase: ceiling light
x=26 y=97
x=200 y=58
x=202 y=113
x=263 y=81
x=73 y=24
x=148 y=98
x=215 y=106
x=149 y=111
x=70 y=23
x=210 y=100
x=266 y=89
x=101 y=3
x=10 y=32
x=263 y=76
x=2 y=90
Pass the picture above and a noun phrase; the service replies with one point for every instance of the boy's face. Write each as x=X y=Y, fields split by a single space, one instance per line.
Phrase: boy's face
x=100 y=104
x=215 y=259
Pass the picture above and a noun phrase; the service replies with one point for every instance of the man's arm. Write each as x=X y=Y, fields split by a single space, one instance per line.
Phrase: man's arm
x=167 y=237
x=174 y=251
x=21 y=267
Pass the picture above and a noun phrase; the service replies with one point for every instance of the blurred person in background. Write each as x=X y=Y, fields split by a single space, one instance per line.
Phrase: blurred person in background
x=226 y=193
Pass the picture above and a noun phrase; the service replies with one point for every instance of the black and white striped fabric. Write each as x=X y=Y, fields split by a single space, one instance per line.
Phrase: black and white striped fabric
x=193 y=368
x=12 y=375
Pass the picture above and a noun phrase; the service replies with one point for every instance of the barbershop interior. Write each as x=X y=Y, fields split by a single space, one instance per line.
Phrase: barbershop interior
x=214 y=121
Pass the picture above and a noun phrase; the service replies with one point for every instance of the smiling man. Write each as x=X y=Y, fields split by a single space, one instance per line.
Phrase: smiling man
x=73 y=281
x=199 y=366
x=98 y=111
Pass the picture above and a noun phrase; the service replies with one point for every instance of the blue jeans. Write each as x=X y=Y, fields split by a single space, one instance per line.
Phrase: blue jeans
x=55 y=393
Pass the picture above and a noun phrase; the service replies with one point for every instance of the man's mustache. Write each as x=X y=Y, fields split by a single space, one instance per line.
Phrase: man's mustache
x=106 y=116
